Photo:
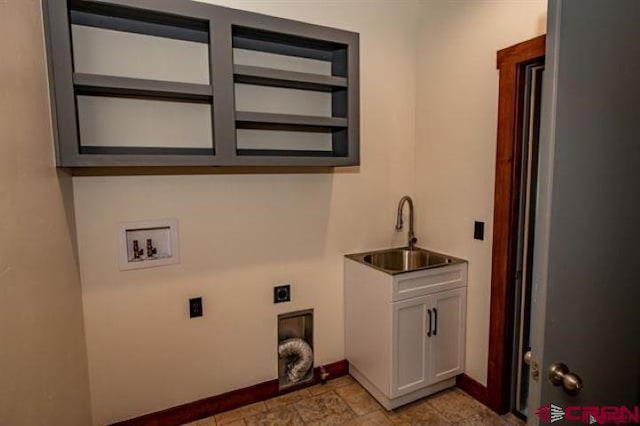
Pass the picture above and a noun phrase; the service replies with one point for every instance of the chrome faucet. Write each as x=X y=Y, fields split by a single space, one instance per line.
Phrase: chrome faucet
x=412 y=236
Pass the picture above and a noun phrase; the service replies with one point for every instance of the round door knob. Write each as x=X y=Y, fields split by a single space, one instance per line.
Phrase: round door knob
x=559 y=375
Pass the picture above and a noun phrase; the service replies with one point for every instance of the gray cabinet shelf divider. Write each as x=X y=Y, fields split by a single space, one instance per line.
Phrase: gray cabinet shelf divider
x=102 y=150
x=284 y=153
x=289 y=119
x=281 y=48
x=289 y=79
x=110 y=85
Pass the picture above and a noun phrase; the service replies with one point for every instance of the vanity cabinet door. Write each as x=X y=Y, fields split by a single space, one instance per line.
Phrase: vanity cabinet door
x=410 y=345
x=447 y=341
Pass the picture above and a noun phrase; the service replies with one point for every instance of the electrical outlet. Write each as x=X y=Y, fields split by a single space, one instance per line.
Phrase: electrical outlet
x=478 y=230
x=282 y=293
x=195 y=307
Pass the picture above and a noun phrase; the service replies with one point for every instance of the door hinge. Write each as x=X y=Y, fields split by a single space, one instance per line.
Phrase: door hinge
x=535 y=371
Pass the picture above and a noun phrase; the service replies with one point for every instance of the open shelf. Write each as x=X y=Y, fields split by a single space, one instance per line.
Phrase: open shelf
x=124 y=86
x=325 y=125
x=134 y=85
x=284 y=44
x=132 y=20
x=289 y=79
x=284 y=153
x=135 y=150
x=254 y=119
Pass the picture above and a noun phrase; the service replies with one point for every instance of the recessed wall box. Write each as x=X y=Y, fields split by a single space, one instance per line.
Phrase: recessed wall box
x=134 y=84
x=295 y=348
x=149 y=243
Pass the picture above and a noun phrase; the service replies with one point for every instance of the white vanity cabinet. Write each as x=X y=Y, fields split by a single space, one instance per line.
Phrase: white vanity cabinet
x=405 y=333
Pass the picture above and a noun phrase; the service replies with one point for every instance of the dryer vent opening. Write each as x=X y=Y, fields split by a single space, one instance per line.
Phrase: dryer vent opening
x=295 y=348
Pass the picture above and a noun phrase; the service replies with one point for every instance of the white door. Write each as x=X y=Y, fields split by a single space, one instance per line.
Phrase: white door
x=447 y=340
x=586 y=284
x=410 y=345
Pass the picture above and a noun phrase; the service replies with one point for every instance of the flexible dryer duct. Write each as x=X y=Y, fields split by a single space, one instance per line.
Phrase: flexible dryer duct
x=299 y=358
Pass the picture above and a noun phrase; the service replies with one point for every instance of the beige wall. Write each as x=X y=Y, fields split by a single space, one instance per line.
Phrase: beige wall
x=43 y=364
x=242 y=234
x=456 y=113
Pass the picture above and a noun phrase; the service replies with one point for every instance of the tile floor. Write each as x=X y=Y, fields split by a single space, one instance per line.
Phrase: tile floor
x=343 y=401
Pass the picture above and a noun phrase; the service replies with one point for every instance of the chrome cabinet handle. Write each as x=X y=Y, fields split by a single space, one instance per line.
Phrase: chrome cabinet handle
x=429 y=331
x=435 y=323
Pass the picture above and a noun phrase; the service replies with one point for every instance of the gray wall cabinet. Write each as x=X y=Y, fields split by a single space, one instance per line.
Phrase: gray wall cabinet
x=182 y=83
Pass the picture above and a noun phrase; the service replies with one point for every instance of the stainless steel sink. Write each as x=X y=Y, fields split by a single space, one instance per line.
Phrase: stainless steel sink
x=399 y=260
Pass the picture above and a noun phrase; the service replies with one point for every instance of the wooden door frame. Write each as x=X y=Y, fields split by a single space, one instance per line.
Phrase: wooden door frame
x=511 y=63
